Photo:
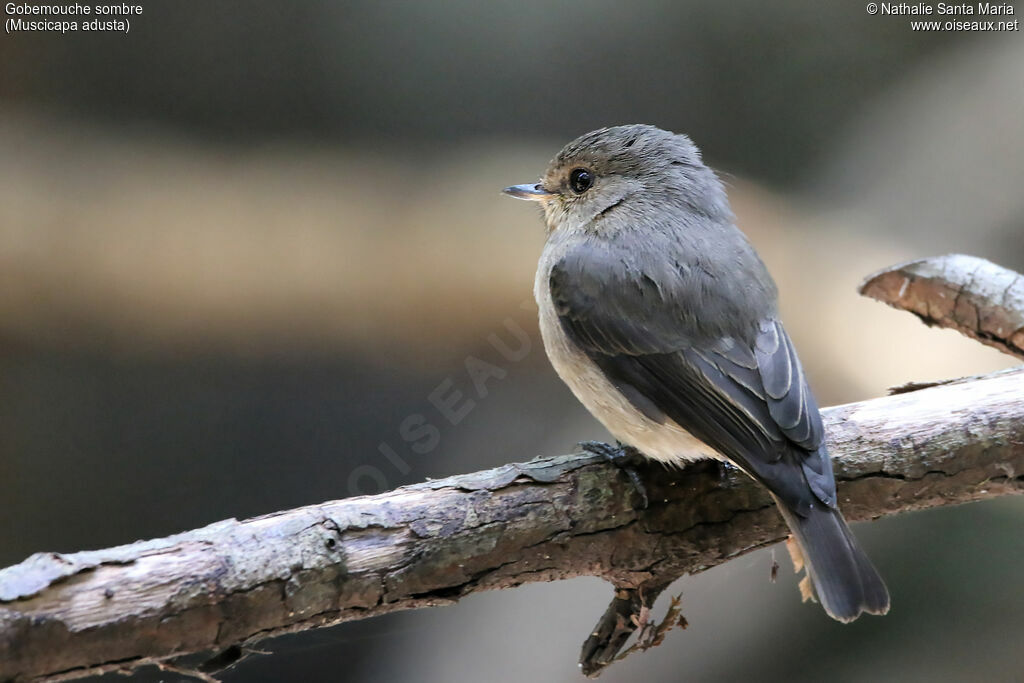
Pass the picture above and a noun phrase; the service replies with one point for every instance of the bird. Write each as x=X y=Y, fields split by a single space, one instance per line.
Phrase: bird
x=661 y=318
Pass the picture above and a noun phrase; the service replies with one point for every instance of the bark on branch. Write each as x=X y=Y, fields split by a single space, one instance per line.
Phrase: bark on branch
x=63 y=616
x=968 y=294
x=227 y=586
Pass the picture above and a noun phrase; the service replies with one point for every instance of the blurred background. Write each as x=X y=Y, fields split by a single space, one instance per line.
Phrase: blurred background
x=242 y=244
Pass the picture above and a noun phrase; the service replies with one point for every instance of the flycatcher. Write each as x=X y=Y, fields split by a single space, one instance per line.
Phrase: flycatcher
x=663 y=321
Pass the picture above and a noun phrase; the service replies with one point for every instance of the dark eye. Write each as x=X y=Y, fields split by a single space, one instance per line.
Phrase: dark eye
x=580 y=180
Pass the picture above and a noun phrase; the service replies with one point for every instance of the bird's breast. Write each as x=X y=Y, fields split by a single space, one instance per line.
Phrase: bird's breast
x=665 y=441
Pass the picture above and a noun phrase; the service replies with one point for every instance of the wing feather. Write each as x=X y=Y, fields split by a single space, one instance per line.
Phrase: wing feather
x=746 y=397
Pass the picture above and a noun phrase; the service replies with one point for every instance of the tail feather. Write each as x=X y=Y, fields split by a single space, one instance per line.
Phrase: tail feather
x=846 y=582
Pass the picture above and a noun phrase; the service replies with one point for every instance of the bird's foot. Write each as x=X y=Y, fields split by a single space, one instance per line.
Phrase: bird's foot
x=725 y=470
x=625 y=458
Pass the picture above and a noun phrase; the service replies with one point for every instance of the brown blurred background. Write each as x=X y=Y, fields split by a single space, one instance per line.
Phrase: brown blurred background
x=243 y=244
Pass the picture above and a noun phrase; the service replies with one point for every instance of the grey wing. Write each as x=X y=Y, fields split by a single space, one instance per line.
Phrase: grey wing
x=748 y=399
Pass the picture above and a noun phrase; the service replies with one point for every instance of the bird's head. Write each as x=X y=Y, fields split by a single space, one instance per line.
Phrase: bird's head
x=607 y=179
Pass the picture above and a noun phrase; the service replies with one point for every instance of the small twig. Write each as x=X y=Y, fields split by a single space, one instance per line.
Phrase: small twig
x=188 y=673
x=628 y=611
x=908 y=387
x=651 y=634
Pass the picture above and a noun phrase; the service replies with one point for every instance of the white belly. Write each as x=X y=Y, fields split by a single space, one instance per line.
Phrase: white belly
x=666 y=441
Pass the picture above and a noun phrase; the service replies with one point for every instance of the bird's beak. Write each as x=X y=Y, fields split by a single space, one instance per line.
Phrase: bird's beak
x=533 y=193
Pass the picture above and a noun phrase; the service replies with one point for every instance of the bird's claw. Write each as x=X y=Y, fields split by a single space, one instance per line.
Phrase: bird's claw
x=725 y=470
x=624 y=457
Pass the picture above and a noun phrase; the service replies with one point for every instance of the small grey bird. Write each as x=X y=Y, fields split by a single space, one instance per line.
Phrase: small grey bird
x=663 y=321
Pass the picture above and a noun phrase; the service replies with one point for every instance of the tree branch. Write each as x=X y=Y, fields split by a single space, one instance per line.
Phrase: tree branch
x=65 y=616
x=227 y=586
x=968 y=294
